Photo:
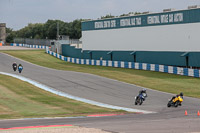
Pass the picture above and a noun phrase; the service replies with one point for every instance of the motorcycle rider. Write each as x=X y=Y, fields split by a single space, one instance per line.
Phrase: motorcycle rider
x=143 y=92
x=14 y=65
x=173 y=101
x=181 y=95
x=20 y=68
x=141 y=97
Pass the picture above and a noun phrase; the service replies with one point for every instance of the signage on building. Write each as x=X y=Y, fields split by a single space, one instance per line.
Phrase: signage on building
x=175 y=17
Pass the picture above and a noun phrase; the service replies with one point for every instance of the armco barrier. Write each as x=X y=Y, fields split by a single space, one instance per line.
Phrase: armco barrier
x=28 y=46
x=131 y=65
x=121 y=64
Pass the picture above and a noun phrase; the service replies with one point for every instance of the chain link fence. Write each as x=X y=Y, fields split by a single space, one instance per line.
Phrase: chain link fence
x=45 y=42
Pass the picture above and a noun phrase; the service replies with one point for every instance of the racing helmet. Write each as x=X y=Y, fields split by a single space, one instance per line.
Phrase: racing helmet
x=144 y=89
x=181 y=94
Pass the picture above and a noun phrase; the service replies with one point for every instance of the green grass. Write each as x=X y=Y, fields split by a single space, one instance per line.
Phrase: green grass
x=19 y=99
x=155 y=80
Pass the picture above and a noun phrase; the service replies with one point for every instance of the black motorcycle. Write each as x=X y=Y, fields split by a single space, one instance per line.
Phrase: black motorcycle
x=14 y=67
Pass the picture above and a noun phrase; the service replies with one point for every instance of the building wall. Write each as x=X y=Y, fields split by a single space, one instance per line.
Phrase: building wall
x=171 y=31
x=169 y=38
x=183 y=37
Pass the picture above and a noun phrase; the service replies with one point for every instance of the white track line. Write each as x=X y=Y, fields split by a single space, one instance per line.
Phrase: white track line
x=44 y=87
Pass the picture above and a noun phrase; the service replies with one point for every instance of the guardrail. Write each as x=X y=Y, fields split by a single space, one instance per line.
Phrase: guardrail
x=121 y=64
x=29 y=46
x=131 y=65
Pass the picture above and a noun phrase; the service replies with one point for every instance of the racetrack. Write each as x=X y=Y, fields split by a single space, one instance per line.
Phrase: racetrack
x=15 y=48
x=111 y=92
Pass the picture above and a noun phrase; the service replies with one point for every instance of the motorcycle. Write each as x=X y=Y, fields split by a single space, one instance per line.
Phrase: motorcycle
x=140 y=98
x=175 y=101
x=20 y=69
x=15 y=67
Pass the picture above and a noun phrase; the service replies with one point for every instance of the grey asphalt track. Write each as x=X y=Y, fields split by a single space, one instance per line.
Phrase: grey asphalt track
x=112 y=92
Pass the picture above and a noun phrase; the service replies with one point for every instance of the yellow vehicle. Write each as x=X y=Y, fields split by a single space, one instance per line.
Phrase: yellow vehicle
x=176 y=101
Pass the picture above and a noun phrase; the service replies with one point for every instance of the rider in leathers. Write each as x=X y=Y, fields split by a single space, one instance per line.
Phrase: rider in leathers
x=143 y=91
x=14 y=65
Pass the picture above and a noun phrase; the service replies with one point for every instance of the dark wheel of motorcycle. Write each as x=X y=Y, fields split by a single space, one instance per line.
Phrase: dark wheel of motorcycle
x=136 y=100
x=176 y=104
x=169 y=105
x=141 y=101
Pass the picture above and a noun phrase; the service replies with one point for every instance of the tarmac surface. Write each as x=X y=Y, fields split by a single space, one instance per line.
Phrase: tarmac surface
x=111 y=92
x=50 y=129
x=14 y=48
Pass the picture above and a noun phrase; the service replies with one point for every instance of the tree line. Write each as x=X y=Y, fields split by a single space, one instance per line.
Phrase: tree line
x=48 y=30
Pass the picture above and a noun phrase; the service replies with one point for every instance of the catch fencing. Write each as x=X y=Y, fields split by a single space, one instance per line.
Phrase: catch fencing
x=41 y=42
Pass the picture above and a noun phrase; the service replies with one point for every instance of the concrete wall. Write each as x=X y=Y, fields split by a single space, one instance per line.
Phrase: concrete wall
x=71 y=51
x=171 y=58
x=131 y=65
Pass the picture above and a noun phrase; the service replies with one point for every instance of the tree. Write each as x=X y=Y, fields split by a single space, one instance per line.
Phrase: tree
x=130 y=13
x=10 y=35
x=49 y=29
x=107 y=16
x=75 y=31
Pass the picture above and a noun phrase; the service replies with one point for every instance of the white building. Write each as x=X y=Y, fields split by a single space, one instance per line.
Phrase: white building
x=165 y=31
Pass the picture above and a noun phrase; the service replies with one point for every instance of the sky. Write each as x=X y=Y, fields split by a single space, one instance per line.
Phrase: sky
x=19 y=13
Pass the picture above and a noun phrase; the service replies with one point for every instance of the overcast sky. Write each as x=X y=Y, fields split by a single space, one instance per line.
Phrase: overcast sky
x=18 y=13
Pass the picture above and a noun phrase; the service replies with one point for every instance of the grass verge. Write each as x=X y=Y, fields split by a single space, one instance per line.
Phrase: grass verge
x=155 y=80
x=19 y=99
